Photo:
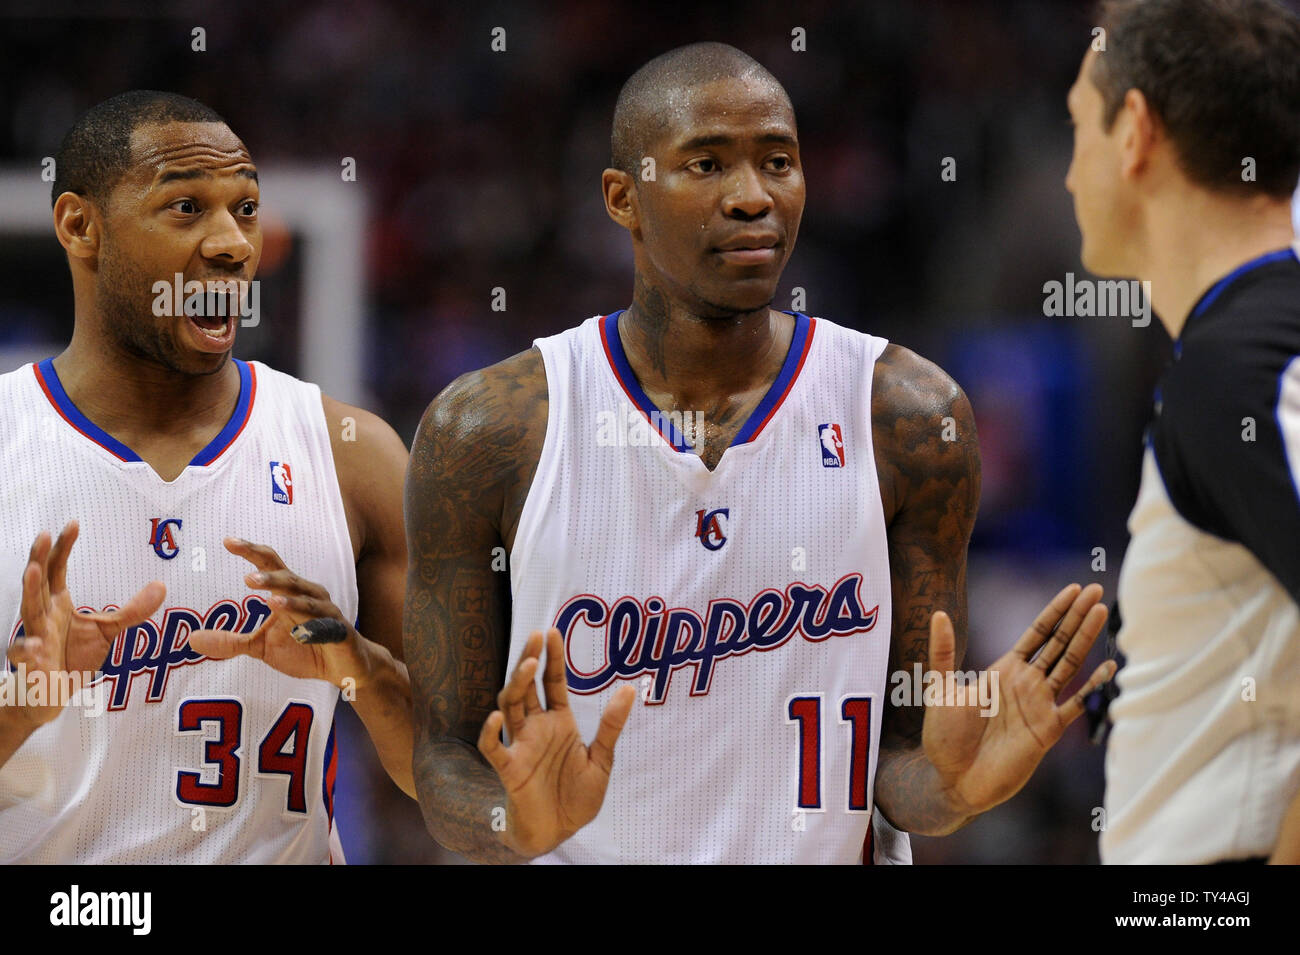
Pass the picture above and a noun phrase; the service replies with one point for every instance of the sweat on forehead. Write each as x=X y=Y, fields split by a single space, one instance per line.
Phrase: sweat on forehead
x=658 y=94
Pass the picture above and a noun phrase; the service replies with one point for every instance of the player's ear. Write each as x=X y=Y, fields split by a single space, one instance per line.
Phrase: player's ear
x=76 y=225
x=620 y=198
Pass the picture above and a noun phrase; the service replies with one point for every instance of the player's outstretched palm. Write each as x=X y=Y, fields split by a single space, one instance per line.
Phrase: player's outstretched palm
x=554 y=783
x=984 y=760
x=56 y=639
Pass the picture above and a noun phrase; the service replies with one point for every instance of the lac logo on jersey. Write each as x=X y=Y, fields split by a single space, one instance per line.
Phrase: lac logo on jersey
x=281 y=482
x=710 y=527
x=161 y=537
x=832 y=441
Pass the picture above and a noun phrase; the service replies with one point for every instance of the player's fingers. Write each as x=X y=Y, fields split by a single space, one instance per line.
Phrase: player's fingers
x=1065 y=630
x=259 y=555
x=1080 y=645
x=511 y=698
x=532 y=704
x=285 y=582
x=136 y=610
x=321 y=630
x=310 y=607
x=943 y=643
x=29 y=651
x=533 y=646
x=222 y=644
x=58 y=570
x=554 y=678
x=1041 y=629
x=490 y=745
x=612 y=722
x=1069 y=711
x=33 y=602
x=532 y=651
x=39 y=555
x=40 y=549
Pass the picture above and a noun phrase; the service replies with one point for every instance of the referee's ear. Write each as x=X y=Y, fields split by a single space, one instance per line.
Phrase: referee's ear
x=76 y=225
x=1141 y=133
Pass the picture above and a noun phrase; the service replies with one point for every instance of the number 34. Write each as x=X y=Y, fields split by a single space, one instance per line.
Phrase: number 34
x=283 y=752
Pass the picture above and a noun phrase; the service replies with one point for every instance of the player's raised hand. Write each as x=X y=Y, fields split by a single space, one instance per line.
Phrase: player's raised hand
x=985 y=758
x=305 y=636
x=56 y=639
x=554 y=783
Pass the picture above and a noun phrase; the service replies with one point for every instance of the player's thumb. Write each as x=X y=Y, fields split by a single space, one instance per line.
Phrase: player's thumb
x=139 y=608
x=943 y=643
x=219 y=644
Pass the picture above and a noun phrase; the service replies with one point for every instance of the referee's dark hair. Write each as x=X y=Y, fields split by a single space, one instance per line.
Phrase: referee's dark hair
x=96 y=152
x=1223 y=76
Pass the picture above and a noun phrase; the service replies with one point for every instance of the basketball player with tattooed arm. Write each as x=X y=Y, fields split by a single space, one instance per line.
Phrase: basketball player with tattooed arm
x=794 y=496
x=161 y=456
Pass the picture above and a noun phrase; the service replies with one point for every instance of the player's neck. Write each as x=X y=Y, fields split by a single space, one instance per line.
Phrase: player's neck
x=138 y=401
x=699 y=361
x=1201 y=238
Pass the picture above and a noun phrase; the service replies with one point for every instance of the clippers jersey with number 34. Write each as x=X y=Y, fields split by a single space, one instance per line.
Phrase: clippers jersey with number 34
x=749 y=605
x=172 y=757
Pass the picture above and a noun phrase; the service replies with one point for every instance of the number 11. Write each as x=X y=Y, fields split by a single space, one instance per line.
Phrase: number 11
x=806 y=711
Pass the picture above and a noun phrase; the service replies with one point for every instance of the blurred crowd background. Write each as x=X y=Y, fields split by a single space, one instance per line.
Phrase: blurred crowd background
x=481 y=170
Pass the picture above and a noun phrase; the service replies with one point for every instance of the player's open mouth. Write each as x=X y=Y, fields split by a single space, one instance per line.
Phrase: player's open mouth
x=214 y=333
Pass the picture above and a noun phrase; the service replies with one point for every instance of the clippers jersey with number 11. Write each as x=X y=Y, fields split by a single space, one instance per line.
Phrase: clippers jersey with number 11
x=749 y=605
x=172 y=757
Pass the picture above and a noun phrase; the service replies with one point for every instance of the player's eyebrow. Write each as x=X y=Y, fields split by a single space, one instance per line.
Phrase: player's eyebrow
x=721 y=139
x=180 y=175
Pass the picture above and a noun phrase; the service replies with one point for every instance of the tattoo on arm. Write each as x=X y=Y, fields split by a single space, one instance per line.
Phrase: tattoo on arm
x=471 y=464
x=928 y=457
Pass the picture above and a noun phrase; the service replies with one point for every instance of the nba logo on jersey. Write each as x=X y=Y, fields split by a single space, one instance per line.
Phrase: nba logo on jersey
x=832 y=440
x=281 y=483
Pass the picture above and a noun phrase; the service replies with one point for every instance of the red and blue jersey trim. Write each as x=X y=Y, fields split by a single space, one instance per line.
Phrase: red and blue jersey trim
x=330 y=774
x=238 y=421
x=48 y=379
x=800 y=344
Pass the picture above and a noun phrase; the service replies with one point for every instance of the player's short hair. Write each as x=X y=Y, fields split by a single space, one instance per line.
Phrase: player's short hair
x=96 y=152
x=642 y=111
x=1223 y=76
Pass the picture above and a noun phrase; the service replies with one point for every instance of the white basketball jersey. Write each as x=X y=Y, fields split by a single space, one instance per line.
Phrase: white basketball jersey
x=750 y=605
x=188 y=759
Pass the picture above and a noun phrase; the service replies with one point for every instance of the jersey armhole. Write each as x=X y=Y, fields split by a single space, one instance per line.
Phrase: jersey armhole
x=543 y=477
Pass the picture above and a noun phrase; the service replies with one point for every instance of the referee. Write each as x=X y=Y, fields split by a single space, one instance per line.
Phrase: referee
x=1186 y=154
